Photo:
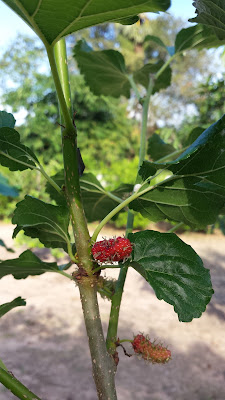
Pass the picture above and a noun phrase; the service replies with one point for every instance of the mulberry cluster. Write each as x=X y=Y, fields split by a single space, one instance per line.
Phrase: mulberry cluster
x=110 y=250
x=152 y=352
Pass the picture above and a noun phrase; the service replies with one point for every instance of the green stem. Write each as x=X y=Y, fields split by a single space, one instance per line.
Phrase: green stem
x=62 y=101
x=117 y=297
x=16 y=387
x=117 y=209
x=175 y=227
x=66 y=275
x=130 y=222
x=70 y=252
x=134 y=86
x=162 y=69
x=126 y=340
x=69 y=143
x=2 y=365
x=113 y=197
x=104 y=267
x=144 y=125
x=49 y=179
x=115 y=310
x=62 y=66
x=127 y=201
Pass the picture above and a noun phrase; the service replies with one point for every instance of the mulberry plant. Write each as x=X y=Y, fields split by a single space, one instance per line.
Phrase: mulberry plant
x=187 y=186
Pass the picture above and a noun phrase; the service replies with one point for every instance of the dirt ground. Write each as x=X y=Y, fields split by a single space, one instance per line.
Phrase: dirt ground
x=44 y=344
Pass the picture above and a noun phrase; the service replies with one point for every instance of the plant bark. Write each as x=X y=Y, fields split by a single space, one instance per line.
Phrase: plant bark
x=103 y=364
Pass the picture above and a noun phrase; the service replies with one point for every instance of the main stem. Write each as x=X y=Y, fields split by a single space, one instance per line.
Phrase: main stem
x=102 y=363
x=69 y=144
x=117 y=297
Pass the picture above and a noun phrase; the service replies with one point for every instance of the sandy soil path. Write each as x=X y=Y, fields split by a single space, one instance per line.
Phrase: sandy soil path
x=45 y=344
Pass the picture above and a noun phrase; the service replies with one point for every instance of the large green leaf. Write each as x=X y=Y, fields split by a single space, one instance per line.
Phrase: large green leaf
x=195 y=193
x=44 y=221
x=196 y=37
x=53 y=20
x=157 y=148
x=104 y=71
x=142 y=76
x=27 y=264
x=6 y=189
x=7 y=120
x=211 y=13
x=174 y=270
x=4 y=308
x=97 y=201
x=13 y=154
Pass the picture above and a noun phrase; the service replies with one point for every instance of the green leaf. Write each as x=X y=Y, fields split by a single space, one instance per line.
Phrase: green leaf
x=104 y=71
x=211 y=13
x=44 y=221
x=96 y=200
x=13 y=154
x=27 y=264
x=174 y=270
x=6 y=189
x=157 y=148
x=7 y=120
x=7 y=248
x=142 y=76
x=51 y=21
x=157 y=40
x=196 y=37
x=4 y=308
x=195 y=193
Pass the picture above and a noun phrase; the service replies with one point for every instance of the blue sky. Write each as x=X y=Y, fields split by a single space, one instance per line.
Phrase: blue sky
x=10 y=24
